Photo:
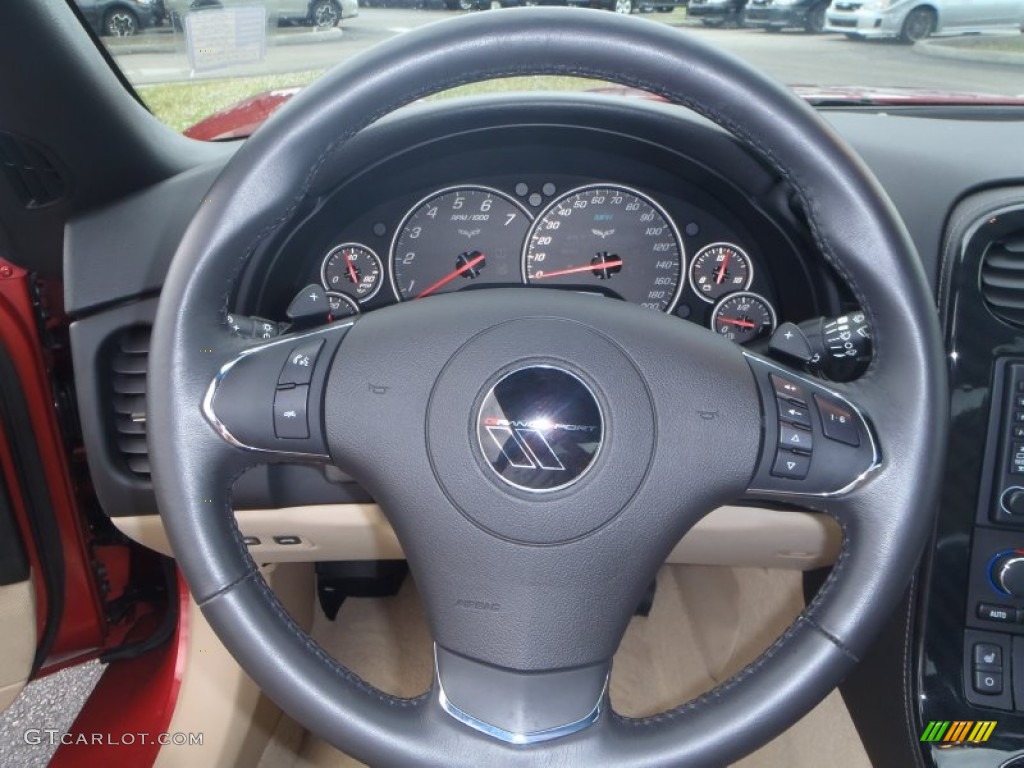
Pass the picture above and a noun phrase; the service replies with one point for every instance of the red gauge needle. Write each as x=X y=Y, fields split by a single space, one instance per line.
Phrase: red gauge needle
x=351 y=269
x=451 y=276
x=587 y=268
x=740 y=323
x=720 y=275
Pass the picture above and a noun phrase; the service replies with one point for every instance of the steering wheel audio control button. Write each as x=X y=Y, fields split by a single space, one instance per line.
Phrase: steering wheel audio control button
x=792 y=466
x=834 y=430
x=794 y=414
x=837 y=421
x=298 y=368
x=788 y=390
x=795 y=439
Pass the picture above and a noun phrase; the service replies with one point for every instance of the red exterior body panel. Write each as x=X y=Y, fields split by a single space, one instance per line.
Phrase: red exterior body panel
x=240 y=120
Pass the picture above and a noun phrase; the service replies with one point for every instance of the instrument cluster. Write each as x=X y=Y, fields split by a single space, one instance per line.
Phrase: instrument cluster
x=603 y=238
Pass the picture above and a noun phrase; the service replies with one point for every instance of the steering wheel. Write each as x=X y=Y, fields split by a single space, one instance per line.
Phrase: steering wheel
x=539 y=453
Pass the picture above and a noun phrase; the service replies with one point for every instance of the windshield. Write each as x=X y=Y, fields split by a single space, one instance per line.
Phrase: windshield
x=217 y=68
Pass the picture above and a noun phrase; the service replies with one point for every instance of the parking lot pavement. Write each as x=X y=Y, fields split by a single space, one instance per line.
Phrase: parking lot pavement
x=792 y=57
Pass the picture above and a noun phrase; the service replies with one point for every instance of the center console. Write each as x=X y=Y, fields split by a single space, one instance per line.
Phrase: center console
x=967 y=653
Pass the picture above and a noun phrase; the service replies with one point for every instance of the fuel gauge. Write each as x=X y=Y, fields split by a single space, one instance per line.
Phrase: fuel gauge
x=720 y=269
x=743 y=317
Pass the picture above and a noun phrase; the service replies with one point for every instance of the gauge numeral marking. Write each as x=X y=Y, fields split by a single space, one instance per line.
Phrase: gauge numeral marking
x=610 y=240
x=440 y=227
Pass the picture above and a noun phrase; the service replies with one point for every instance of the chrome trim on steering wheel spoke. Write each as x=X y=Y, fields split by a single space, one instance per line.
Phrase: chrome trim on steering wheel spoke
x=510 y=737
x=211 y=393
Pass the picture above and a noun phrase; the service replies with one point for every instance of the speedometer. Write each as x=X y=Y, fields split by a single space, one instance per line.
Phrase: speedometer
x=462 y=237
x=607 y=239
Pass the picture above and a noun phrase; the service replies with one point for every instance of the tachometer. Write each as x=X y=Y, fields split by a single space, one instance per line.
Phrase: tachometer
x=458 y=238
x=607 y=239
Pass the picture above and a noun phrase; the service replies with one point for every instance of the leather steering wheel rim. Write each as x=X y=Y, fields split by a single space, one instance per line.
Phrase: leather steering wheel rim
x=885 y=520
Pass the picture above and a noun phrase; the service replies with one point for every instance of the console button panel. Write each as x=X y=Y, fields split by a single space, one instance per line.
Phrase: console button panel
x=990 y=668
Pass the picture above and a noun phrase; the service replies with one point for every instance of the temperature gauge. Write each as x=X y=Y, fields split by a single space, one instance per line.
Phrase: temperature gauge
x=743 y=317
x=720 y=269
x=353 y=269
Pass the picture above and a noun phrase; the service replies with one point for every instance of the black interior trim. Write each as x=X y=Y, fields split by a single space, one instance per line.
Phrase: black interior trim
x=14 y=415
x=13 y=561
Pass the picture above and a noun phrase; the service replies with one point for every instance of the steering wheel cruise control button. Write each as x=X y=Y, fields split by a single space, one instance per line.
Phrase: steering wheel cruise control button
x=298 y=368
x=290 y=413
x=795 y=439
x=837 y=421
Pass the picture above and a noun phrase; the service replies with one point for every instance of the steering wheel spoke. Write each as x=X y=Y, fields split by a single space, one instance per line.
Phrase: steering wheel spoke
x=817 y=443
x=520 y=707
x=269 y=398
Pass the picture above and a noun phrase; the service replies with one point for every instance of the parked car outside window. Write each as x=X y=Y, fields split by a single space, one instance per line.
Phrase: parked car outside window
x=774 y=15
x=322 y=14
x=913 y=20
x=122 y=18
x=718 y=13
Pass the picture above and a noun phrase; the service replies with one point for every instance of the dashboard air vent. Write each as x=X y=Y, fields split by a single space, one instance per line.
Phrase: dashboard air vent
x=128 y=361
x=1002 y=278
x=29 y=171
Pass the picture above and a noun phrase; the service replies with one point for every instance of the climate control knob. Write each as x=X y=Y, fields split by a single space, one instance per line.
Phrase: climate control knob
x=1007 y=573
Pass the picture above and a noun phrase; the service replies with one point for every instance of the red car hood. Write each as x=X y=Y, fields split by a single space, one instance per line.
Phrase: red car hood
x=241 y=119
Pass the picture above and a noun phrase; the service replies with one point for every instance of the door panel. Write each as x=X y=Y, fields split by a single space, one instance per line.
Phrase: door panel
x=17 y=607
x=17 y=640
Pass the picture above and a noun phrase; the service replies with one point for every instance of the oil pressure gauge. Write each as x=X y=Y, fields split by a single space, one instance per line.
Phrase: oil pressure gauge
x=353 y=269
x=720 y=269
x=743 y=317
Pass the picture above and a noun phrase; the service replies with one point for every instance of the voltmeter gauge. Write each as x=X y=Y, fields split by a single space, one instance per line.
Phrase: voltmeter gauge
x=743 y=317
x=720 y=269
x=353 y=269
x=340 y=305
